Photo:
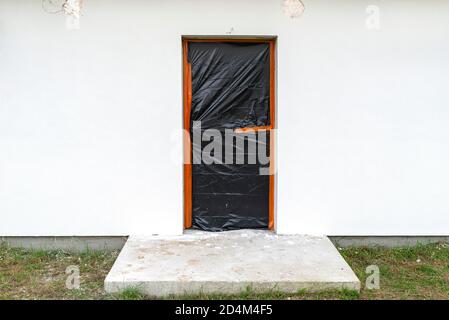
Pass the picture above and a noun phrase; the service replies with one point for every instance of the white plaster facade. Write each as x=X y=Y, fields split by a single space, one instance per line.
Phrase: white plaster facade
x=89 y=118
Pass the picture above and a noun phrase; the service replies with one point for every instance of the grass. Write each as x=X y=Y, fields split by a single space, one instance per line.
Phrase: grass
x=249 y=294
x=130 y=294
x=38 y=274
x=420 y=272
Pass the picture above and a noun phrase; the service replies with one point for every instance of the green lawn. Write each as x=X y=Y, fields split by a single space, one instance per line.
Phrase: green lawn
x=420 y=272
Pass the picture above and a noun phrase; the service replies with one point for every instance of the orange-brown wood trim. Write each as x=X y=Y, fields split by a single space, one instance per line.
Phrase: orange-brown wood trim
x=229 y=40
x=251 y=129
x=272 y=134
x=187 y=100
x=262 y=39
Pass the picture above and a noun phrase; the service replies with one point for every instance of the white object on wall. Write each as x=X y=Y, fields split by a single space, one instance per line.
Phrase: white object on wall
x=72 y=10
x=293 y=8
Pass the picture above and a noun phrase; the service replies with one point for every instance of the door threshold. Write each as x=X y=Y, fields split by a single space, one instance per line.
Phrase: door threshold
x=199 y=232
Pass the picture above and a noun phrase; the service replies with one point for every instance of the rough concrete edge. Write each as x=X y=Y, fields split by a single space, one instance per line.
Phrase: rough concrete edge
x=153 y=288
x=355 y=279
x=385 y=241
x=68 y=243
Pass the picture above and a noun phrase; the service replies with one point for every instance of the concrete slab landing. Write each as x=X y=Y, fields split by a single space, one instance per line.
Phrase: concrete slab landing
x=229 y=262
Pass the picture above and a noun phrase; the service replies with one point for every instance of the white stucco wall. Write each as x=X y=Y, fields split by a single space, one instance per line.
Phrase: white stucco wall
x=87 y=117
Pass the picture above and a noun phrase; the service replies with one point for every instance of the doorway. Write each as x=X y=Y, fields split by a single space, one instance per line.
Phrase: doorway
x=228 y=120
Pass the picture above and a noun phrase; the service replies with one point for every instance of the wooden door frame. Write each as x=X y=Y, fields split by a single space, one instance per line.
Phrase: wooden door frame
x=187 y=100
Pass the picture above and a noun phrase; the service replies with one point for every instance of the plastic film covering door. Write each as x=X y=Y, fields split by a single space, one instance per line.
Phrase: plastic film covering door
x=230 y=88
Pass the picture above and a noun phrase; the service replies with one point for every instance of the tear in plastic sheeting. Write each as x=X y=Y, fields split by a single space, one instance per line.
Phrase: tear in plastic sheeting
x=230 y=90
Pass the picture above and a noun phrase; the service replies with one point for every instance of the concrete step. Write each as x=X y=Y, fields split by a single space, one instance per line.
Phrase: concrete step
x=229 y=262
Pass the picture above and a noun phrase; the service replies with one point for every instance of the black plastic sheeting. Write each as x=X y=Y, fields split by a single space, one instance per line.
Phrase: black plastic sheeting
x=230 y=89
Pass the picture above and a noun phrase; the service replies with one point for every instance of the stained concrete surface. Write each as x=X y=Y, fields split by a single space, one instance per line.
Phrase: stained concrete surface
x=385 y=241
x=229 y=262
x=75 y=243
